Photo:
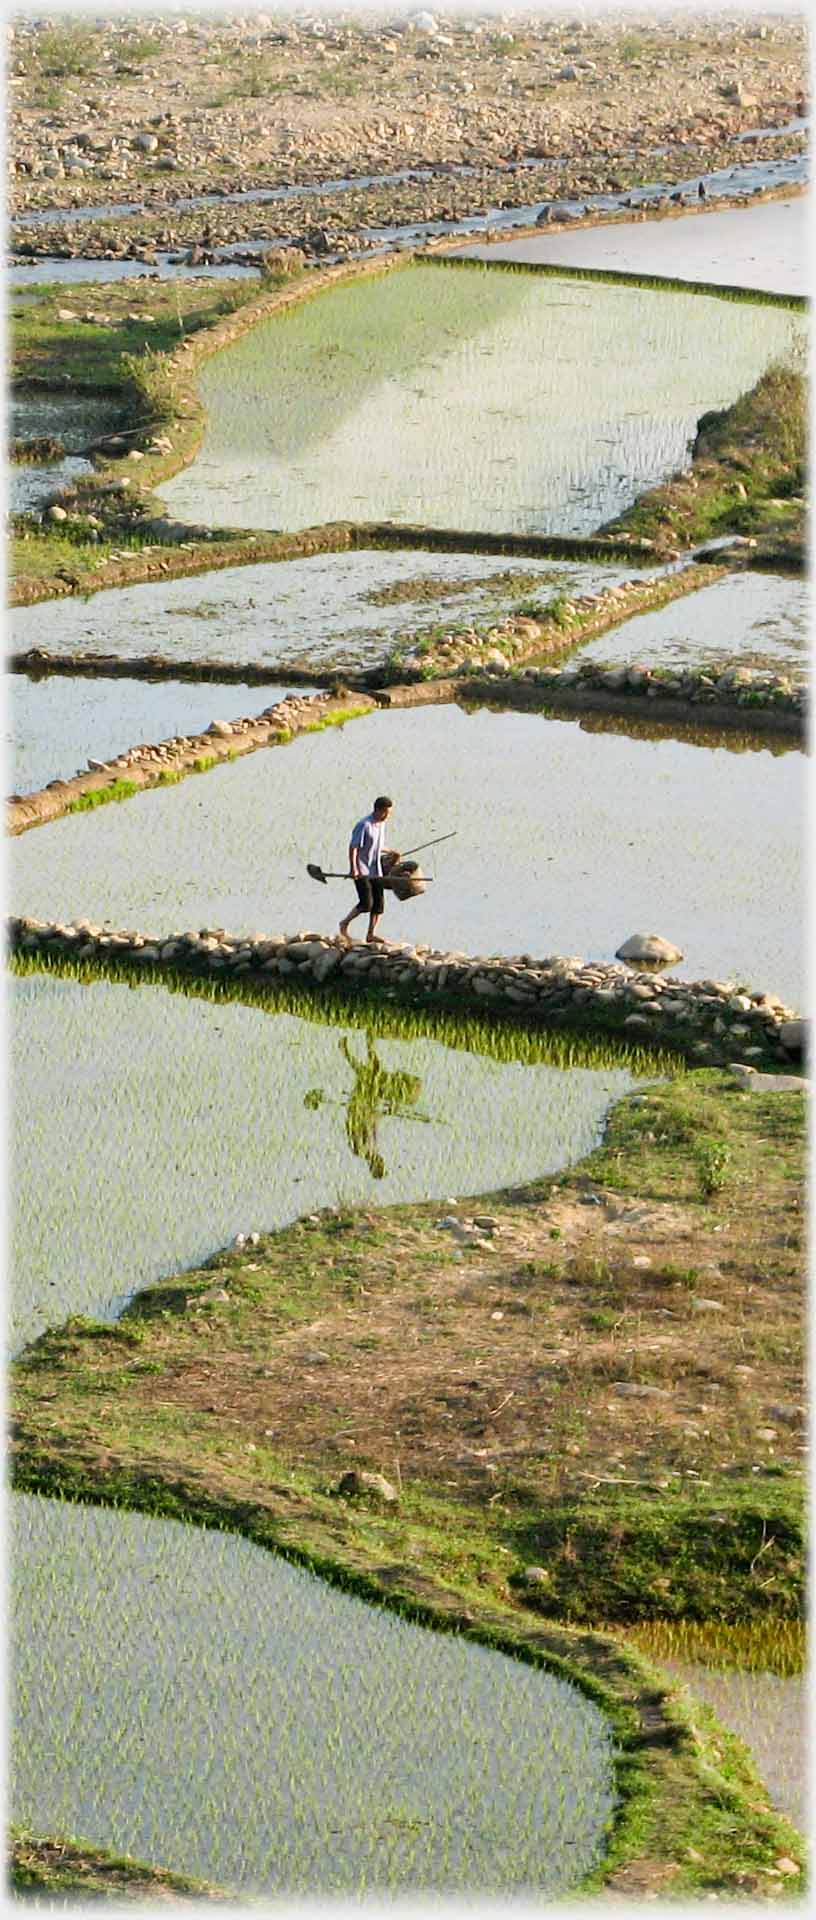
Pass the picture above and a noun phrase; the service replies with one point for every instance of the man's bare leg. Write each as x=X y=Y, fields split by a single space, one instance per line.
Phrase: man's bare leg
x=343 y=928
x=371 y=936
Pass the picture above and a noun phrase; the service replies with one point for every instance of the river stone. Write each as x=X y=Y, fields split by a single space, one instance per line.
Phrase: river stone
x=648 y=946
x=753 y=1082
x=793 y=1037
x=357 y=1481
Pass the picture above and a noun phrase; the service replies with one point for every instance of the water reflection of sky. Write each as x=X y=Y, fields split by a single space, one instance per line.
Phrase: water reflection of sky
x=198 y=1121
x=567 y=842
x=757 y=619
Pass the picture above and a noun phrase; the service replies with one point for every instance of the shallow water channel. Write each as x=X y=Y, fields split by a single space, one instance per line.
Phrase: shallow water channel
x=185 y=1697
x=329 y=609
x=568 y=841
x=75 y=419
x=54 y=724
x=152 y=1127
x=466 y=399
x=755 y=619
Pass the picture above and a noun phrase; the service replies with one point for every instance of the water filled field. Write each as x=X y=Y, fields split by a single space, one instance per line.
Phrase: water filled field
x=466 y=399
x=762 y=247
x=567 y=842
x=75 y=419
x=151 y=1128
x=756 y=619
x=338 y=609
x=188 y=1698
x=53 y=725
x=769 y=1712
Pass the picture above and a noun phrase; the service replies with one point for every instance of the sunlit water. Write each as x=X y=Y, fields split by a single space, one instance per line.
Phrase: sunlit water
x=567 y=842
x=53 y=725
x=753 y=619
x=151 y=1128
x=187 y=1698
x=319 y=610
x=466 y=399
x=762 y=247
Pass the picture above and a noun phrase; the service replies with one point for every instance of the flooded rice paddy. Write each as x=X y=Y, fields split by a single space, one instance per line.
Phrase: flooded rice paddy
x=330 y=609
x=767 y=1711
x=466 y=399
x=755 y=619
x=567 y=842
x=762 y=248
x=188 y=1698
x=53 y=725
x=152 y=1127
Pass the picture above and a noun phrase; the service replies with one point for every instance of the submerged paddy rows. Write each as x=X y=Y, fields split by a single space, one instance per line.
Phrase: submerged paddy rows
x=53 y=725
x=344 y=610
x=567 y=842
x=187 y=1698
x=152 y=1128
x=472 y=400
x=755 y=619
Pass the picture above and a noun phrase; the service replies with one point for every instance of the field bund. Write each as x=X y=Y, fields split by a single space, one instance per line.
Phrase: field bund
x=707 y=1021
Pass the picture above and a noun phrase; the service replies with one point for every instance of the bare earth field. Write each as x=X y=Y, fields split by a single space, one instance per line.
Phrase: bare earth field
x=152 y=113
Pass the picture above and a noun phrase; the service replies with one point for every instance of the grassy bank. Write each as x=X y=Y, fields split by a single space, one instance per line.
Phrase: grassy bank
x=46 y=1870
x=748 y=475
x=545 y=1391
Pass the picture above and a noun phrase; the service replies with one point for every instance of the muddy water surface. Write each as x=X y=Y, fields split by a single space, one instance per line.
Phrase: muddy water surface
x=389 y=1759
x=567 y=842
x=331 y=609
x=151 y=1128
x=466 y=399
x=756 y=619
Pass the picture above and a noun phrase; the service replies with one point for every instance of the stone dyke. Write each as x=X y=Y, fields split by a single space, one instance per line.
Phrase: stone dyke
x=151 y=766
x=560 y=625
x=738 y=697
x=708 y=1022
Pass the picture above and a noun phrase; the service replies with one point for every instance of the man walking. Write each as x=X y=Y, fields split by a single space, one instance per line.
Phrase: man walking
x=365 y=866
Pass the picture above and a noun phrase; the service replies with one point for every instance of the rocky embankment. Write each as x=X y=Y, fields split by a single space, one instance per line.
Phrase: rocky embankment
x=708 y=1021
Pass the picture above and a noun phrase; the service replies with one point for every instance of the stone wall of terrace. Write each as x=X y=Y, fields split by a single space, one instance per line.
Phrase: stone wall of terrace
x=708 y=1021
x=170 y=760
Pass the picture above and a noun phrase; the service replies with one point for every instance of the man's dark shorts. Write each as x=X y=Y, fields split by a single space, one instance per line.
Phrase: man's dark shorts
x=370 y=894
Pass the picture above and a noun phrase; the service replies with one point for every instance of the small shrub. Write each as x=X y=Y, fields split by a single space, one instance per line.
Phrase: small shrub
x=712 y=1161
x=67 y=50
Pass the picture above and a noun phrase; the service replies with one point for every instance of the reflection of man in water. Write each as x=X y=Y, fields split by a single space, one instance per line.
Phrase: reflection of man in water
x=376 y=1091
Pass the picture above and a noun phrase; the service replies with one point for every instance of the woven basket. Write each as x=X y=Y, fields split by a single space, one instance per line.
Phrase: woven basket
x=404 y=878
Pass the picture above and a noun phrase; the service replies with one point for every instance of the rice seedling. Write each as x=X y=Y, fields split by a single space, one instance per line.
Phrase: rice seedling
x=195 y=1122
x=390 y=401
x=390 y=1757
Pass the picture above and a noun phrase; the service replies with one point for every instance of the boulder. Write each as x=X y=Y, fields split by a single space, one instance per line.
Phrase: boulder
x=793 y=1037
x=357 y=1481
x=648 y=947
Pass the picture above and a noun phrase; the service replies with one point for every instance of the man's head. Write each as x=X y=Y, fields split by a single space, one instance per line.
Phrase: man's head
x=382 y=806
